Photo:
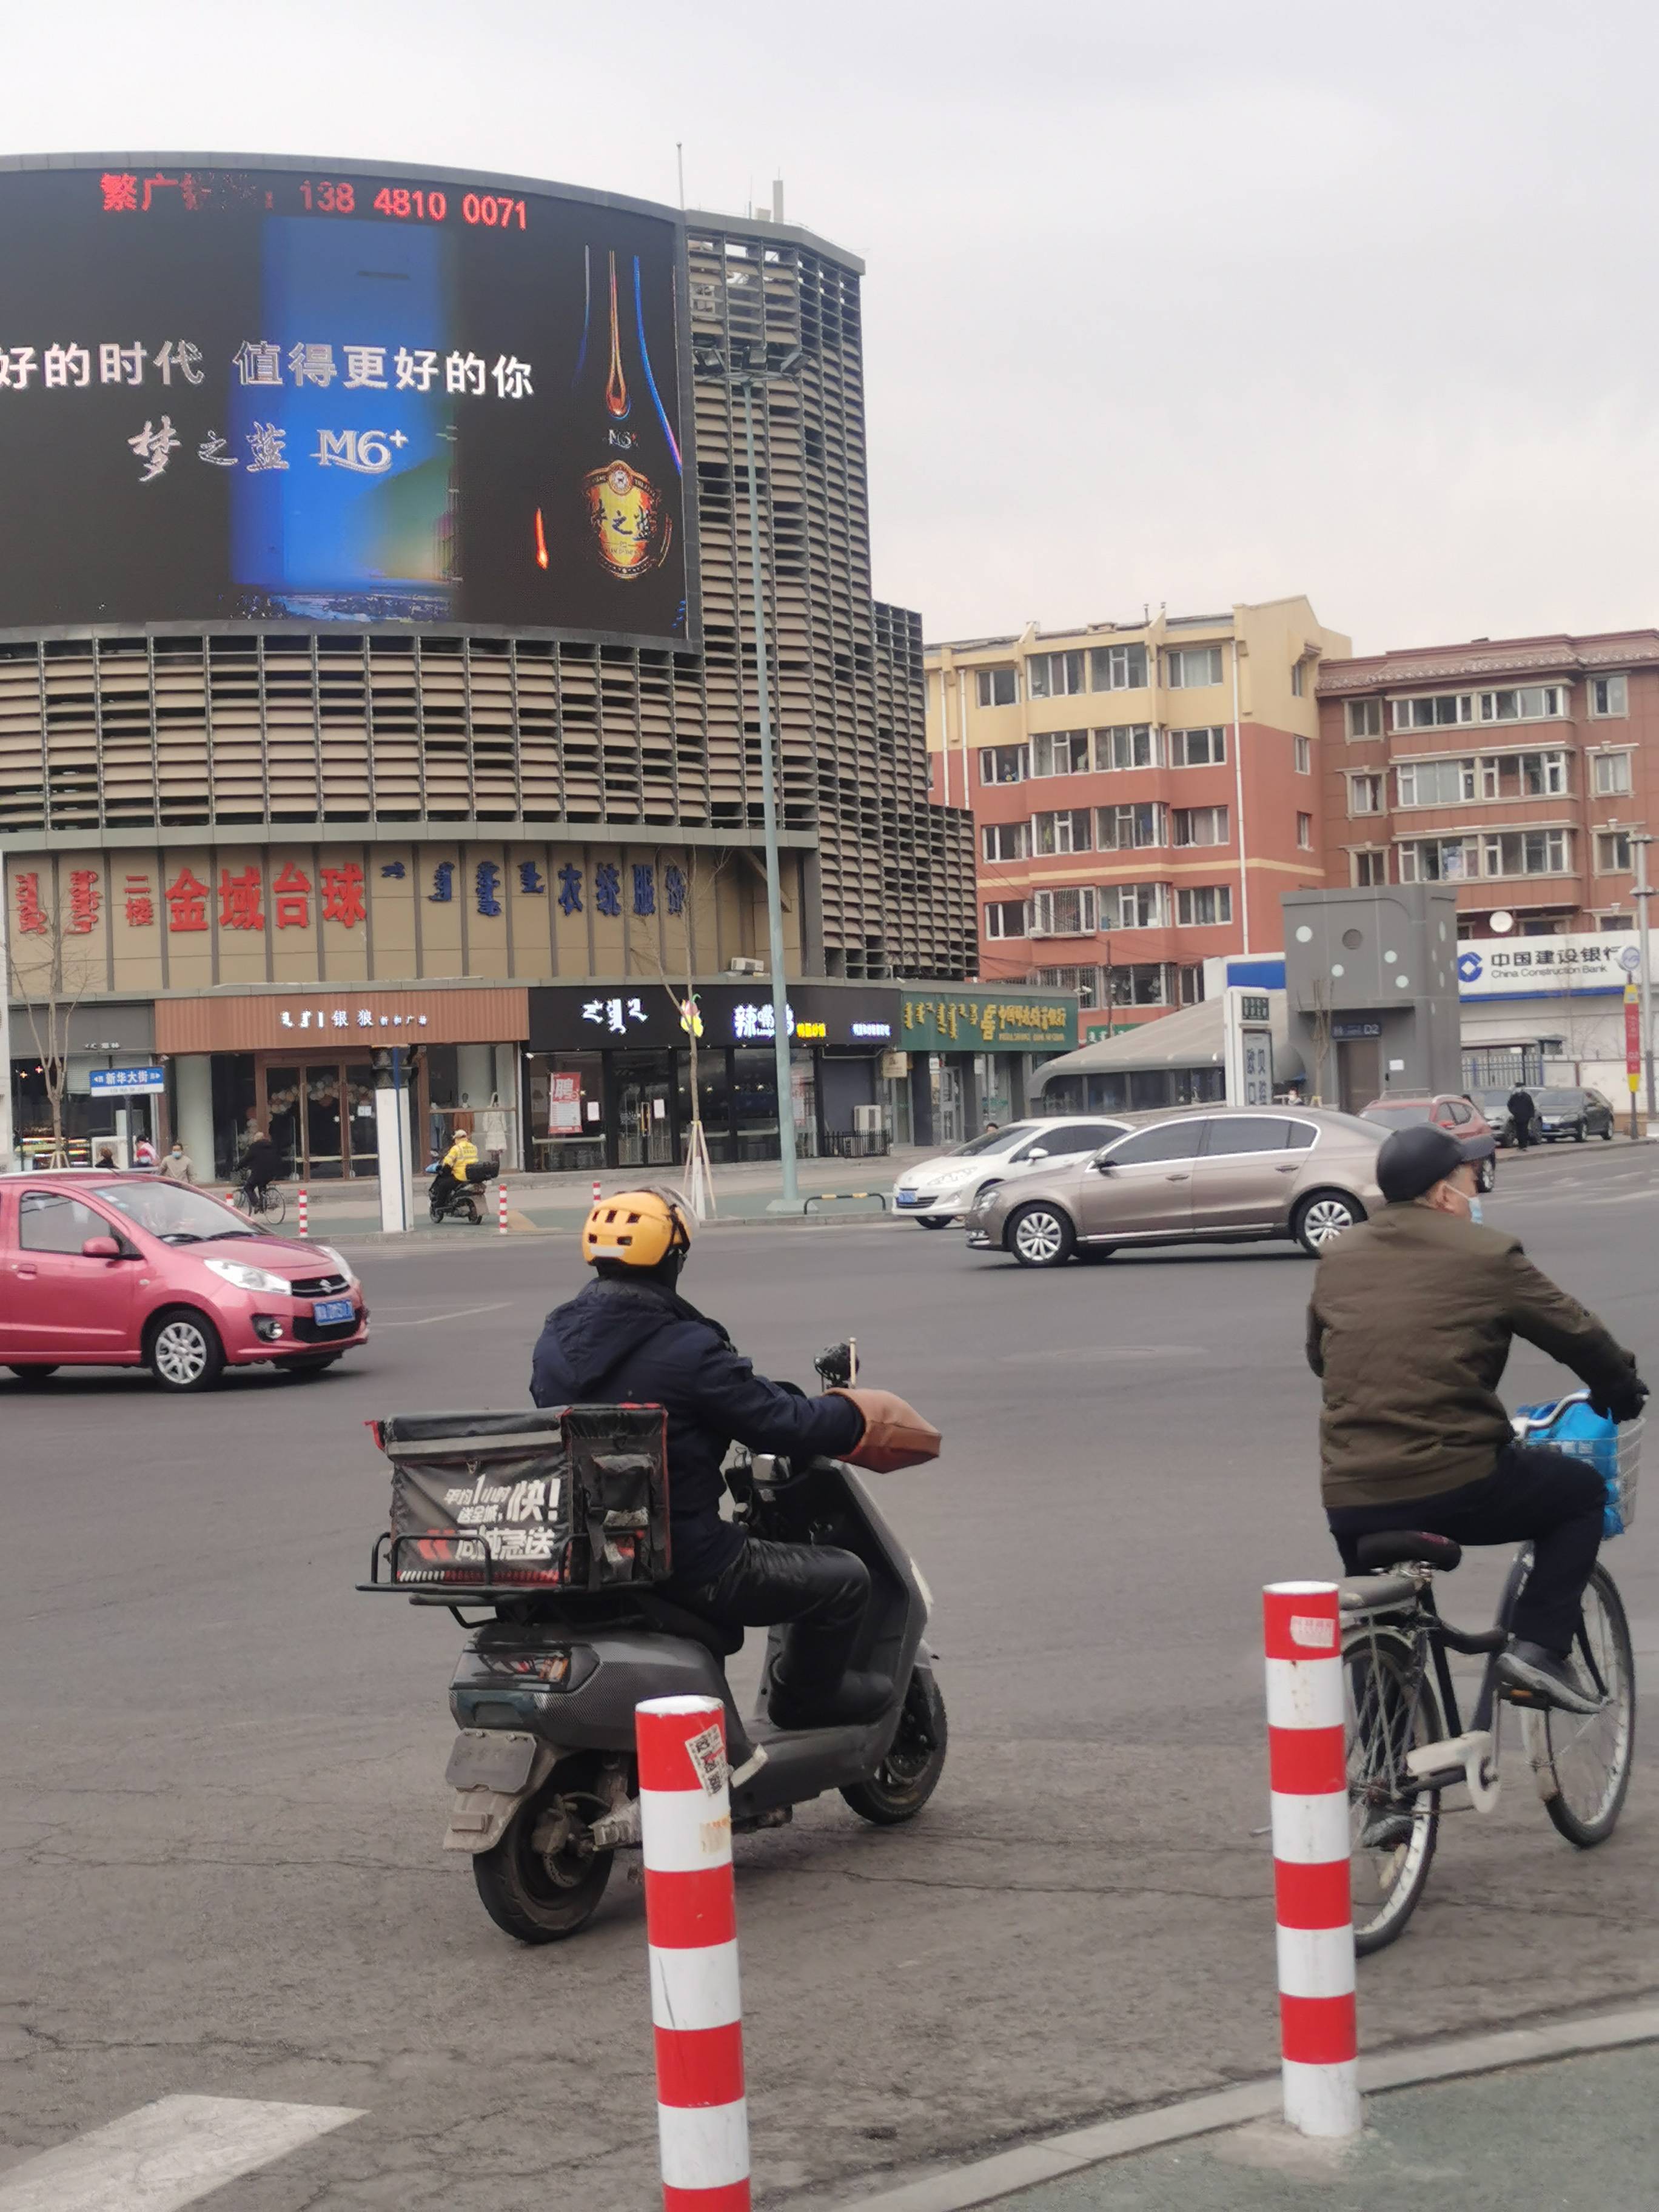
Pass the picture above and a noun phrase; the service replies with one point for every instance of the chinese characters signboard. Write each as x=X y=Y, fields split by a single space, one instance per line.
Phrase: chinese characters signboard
x=269 y=393
x=951 y=1019
x=1543 y=966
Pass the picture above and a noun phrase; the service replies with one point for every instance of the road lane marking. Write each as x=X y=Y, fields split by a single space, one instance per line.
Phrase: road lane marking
x=461 y=1313
x=166 y=2155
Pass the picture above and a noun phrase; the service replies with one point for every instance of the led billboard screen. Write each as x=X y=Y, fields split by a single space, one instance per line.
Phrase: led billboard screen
x=252 y=394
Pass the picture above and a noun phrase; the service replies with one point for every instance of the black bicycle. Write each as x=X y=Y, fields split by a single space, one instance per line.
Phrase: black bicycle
x=1407 y=1741
x=266 y=1205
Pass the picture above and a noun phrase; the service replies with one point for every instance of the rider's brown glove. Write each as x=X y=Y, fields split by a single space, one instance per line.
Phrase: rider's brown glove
x=895 y=1434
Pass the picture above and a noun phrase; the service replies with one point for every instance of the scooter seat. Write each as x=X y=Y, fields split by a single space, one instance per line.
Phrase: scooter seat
x=677 y=1620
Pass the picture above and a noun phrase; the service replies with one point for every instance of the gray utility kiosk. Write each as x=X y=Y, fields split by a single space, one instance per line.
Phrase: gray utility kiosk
x=1371 y=979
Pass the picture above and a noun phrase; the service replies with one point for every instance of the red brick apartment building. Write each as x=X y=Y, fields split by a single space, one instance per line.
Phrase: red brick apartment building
x=1142 y=795
x=1514 y=768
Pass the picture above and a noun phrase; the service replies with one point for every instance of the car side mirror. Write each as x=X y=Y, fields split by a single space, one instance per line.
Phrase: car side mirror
x=1102 y=1164
x=1036 y=1153
x=100 y=1248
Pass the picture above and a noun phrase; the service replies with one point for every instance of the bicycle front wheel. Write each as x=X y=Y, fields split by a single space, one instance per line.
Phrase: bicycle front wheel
x=1393 y=1705
x=1585 y=1769
x=275 y=1207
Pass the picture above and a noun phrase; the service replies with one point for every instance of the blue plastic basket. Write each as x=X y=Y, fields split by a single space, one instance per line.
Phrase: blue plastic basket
x=1572 y=1426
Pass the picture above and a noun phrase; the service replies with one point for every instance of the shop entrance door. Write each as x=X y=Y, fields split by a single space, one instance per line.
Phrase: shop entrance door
x=644 y=1110
x=952 y=1105
x=321 y=1115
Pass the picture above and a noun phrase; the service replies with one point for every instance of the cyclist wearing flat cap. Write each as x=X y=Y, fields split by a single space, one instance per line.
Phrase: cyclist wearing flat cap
x=1409 y=1328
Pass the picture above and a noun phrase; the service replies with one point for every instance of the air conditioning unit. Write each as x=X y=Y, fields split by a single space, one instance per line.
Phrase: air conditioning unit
x=866 y=1121
x=741 y=967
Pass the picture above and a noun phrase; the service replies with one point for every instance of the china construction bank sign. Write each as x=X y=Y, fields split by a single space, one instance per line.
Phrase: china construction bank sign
x=1545 y=967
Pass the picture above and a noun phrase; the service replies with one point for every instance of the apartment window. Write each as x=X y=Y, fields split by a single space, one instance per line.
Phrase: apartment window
x=1086 y=981
x=1304 y=756
x=1003 y=765
x=1142 y=983
x=1063 y=913
x=1192 y=986
x=1192 y=666
x=1059 y=752
x=1054 y=675
x=1135 y=746
x=1200 y=825
x=1127 y=829
x=1364 y=794
x=1134 y=906
x=1611 y=925
x=1543 y=775
x=1443 y=710
x=1609 y=695
x=1613 y=775
x=1298 y=677
x=1525 y=853
x=1440 y=860
x=1304 y=833
x=999 y=687
x=1005 y=918
x=1117 y=668
x=1435 y=783
x=1065 y=831
x=1204 y=905
x=1367 y=869
x=1365 y=718
x=1530 y=702
x=1198 y=748
x=1005 y=841
x=1612 y=852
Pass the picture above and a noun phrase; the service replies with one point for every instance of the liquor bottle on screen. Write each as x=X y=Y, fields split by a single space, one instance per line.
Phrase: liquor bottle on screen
x=628 y=478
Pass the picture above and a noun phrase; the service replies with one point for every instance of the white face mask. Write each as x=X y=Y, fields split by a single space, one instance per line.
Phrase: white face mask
x=1477 y=1211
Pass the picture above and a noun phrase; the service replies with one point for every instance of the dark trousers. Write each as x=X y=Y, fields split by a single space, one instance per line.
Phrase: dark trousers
x=1524 y=1135
x=1533 y=1496
x=821 y=1592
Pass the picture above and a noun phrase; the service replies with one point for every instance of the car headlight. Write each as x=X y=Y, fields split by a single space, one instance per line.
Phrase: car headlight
x=342 y=1266
x=249 y=1278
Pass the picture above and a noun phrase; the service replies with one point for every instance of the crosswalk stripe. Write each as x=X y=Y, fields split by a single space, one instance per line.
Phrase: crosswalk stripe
x=165 y=2155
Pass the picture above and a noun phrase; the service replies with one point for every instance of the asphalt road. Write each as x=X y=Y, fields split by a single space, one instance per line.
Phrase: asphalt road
x=223 y=1797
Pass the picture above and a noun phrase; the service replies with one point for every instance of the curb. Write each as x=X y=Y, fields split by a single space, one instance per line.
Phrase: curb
x=984 y=2181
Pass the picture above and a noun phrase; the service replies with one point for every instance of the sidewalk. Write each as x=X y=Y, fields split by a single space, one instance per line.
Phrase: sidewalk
x=561 y=1202
x=1575 y=2133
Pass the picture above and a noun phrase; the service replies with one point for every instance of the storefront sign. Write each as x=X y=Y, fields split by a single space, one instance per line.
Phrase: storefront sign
x=1543 y=966
x=1354 y=1032
x=341 y=1022
x=127 y=1079
x=648 y=1017
x=953 y=1019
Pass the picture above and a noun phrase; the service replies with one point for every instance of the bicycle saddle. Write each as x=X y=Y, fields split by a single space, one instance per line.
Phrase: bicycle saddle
x=1400 y=1547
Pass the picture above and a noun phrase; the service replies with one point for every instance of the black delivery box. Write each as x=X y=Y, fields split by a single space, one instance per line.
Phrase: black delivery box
x=567 y=1498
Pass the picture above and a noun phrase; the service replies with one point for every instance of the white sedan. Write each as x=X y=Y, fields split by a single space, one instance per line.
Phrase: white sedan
x=941 y=1191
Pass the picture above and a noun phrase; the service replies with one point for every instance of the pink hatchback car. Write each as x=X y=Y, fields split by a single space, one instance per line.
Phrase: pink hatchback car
x=102 y=1270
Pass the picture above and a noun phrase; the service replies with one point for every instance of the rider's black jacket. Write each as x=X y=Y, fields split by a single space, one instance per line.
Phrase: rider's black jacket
x=263 y=1163
x=641 y=1343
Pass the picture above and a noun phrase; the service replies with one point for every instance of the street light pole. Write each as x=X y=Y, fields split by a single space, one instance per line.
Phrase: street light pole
x=745 y=383
x=1643 y=890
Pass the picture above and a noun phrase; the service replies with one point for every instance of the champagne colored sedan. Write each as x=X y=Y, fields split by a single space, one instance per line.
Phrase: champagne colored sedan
x=1210 y=1175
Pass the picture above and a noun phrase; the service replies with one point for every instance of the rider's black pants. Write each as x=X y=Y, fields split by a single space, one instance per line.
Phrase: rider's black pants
x=1534 y=1496
x=822 y=1592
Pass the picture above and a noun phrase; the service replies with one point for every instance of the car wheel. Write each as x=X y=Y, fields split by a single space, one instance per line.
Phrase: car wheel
x=1041 y=1236
x=1606 y=1134
x=1484 y=1176
x=1579 y=1134
x=184 y=1351
x=932 y=1221
x=1324 y=1215
x=34 y=1376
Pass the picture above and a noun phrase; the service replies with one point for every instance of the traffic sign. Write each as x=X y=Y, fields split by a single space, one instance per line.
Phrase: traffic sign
x=1632 y=1035
x=129 y=1079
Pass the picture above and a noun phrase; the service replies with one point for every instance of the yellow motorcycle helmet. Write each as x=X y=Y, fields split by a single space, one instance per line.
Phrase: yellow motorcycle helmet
x=640 y=1228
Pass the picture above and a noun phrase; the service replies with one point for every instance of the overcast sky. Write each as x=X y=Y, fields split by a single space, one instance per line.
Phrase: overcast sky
x=1186 y=303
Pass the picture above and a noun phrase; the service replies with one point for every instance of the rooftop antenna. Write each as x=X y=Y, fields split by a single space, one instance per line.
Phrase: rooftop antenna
x=679 y=159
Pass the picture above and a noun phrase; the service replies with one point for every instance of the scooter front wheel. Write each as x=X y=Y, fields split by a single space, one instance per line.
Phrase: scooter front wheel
x=909 y=1774
x=537 y=1884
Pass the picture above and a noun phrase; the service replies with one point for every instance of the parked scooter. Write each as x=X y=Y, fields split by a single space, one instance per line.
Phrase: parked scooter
x=543 y=1771
x=451 y=1201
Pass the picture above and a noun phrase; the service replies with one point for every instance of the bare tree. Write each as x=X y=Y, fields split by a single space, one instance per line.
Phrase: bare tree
x=51 y=984
x=671 y=950
x=1320 y=1023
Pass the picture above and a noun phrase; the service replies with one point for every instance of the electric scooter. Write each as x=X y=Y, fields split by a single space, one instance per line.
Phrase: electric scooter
x=546 y=1789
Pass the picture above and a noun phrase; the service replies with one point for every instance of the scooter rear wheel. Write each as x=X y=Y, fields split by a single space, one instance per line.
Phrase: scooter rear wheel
x=539 y=1895
x=909 y=1774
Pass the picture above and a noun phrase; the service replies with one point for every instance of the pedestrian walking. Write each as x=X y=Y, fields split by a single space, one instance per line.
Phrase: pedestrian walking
x=1524 y=1112
x=143 y=1153
x=177 y=1166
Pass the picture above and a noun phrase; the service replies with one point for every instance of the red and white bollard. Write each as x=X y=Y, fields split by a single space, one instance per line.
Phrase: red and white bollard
x=305 y=1225
x=686 y=1827
x=501 y=1208
x=1313 y=1906
x=596 y=1190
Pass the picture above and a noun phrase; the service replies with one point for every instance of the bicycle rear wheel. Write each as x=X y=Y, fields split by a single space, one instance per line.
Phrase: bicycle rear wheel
x=1586 y=1763
x=275 y=1207
x=1393 y=1705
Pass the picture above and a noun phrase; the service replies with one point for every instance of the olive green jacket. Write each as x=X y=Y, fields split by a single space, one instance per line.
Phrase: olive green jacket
x=1409 y=1329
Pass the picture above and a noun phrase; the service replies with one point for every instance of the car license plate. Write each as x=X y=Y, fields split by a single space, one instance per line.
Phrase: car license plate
x=907 y=1198
x=324 y=1310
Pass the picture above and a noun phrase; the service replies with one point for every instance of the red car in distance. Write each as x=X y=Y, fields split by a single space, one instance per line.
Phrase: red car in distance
x=1447 y=1109
x=119 y=1270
